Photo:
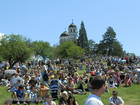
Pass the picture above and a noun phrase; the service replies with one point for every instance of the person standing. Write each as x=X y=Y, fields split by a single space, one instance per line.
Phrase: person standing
x=98 y=88
x=115 y=99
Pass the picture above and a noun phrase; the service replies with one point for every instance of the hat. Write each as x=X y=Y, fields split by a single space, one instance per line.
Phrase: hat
x=65 y=92
x=121 y=72
x=33 y=76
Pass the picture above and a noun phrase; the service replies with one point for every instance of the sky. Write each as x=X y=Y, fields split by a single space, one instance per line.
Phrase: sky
x=46 y=20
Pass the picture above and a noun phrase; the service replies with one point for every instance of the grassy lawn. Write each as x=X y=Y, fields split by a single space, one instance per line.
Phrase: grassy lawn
x=131 y=95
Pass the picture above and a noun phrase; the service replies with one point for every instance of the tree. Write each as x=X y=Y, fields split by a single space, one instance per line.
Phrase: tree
x=108 y=39
x=42 y=49
x=100 y=48
x=117 y=49
x=69 y=49
x=82 y=39
x=1 y=59
x=91 y=46
x=74 y=51
x=109 y=45
x=14 y=48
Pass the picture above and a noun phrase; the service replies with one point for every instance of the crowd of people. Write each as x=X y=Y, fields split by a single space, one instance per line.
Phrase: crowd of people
x=32 y=80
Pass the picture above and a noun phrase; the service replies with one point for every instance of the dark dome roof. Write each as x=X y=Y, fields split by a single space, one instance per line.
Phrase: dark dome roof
x=72 y=25
x=64 y=34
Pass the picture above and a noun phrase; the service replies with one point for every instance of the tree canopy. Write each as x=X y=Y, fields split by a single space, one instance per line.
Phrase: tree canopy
x=42 y=49
x=69 y=49
x=15 y=48
x=109 y=45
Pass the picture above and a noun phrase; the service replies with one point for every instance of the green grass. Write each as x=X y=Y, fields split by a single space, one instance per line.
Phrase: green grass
x=131 y=95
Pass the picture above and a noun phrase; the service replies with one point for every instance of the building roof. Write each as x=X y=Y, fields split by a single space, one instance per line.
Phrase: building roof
x=64 y=34
x=72 y=25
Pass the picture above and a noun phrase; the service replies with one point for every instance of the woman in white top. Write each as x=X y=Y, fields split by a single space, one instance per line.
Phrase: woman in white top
x=49 y=101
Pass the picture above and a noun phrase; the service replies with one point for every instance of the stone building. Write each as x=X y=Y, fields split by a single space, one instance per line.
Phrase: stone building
x=71 y=35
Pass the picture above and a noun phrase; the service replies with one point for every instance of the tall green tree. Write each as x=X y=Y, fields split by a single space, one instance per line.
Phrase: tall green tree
x=109 y=45
x=69 y=49
x=117 y=49
x=82 y=39
x=91 y=46
x=15 y=48
x=101 y=48
x=108 y=39
x=42 y=49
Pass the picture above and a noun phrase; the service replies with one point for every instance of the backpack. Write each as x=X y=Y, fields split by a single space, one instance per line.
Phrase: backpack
x=45 y=77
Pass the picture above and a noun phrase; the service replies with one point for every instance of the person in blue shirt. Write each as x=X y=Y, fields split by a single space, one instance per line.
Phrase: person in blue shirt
x=33 y=94
x=19 y=94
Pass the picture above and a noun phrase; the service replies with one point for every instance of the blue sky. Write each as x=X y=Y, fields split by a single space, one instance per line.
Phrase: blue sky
x=47 y=19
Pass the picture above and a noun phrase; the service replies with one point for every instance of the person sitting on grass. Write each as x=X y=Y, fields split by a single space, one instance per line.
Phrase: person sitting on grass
x=80 y=84
x=85 y=77
x=122 y=76
x=63 y=99
x=117 y=76
x=62 y=83
x=111 y=82
x=115 y=99
x=19 y=95
x=42 y=91
x=33 y=94
x=71 y=100
x=134 y=77
x=71 y=87
x=127 y=80
x=76 y=76
x=49 y=100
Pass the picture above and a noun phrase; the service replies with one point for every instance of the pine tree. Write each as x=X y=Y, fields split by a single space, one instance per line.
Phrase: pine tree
x=83 y=40
x=109 y=45
x=109 y=38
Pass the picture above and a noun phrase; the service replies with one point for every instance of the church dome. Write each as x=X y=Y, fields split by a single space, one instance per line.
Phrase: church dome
x=64 y=34
x=72 y=25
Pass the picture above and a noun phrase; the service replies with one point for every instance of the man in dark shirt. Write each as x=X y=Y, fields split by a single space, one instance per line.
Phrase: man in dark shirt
x=122 y=76
x=33 y=81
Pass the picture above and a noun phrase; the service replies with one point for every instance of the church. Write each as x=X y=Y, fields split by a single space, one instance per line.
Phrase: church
x=71 y=35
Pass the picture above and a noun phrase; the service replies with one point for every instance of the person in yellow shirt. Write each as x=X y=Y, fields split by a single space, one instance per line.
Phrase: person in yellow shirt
x=42 y=91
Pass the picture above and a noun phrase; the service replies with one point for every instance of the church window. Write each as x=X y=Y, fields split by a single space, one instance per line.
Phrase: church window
x=70 y=30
